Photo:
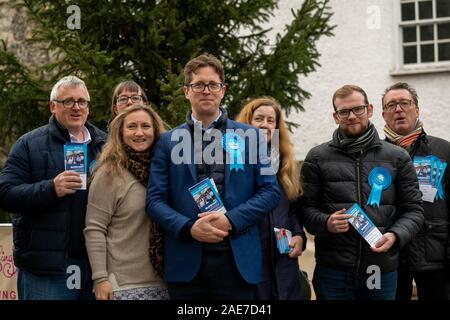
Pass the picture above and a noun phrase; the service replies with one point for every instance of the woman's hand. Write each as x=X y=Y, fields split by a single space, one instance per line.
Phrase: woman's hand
x=297 y=245
x=103 y=291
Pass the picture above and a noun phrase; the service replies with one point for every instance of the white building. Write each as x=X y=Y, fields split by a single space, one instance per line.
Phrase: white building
x=369 y=50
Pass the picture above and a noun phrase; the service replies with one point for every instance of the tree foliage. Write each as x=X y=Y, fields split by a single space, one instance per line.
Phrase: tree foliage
x=149 y=42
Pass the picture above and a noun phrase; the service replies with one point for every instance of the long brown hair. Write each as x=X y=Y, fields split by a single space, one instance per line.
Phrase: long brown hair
x=289 y=172
x=113 y=156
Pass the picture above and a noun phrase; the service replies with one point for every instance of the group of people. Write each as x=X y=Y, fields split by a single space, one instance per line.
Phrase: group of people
x=137 y=232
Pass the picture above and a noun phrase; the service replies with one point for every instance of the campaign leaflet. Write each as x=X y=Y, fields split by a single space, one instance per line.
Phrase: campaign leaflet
x=284 y=237
x=75 y=160
x=430 y=170
x=424 y=169
x=362 y=223
x=206 y=196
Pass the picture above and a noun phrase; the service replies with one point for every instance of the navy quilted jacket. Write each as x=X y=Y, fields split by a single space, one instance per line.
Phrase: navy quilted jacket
x=46 y=229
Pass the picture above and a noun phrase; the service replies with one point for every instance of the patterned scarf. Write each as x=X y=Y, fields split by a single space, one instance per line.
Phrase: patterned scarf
x=354 y=145
x=138 y=164
x=405 y=141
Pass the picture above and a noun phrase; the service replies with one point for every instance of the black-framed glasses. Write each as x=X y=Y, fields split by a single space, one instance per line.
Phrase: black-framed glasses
x=200 y=86
x=70 y=103
x=124 y=99
x=357 y=111
x=404 y=104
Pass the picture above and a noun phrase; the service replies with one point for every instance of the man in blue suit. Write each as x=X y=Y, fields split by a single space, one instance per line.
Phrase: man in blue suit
x=210 y=255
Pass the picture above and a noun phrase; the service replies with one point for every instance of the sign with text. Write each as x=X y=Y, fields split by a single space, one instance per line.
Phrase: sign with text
x=8 y=272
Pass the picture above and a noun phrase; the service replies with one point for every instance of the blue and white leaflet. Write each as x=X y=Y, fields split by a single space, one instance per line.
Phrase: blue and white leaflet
x=362 y=223
x=206 y=196
x=75 y=160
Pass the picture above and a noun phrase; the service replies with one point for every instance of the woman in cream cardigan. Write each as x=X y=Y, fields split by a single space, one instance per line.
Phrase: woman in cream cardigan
x=119 y=234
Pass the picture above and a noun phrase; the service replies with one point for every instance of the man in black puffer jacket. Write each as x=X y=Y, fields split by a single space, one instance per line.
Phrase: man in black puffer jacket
x=49 y=209
x=424 y=259
x=335 y=176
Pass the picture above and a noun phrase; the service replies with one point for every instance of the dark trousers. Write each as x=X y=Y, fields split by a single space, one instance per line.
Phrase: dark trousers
x=218 y=279
x=331 y=284
x=431 y=285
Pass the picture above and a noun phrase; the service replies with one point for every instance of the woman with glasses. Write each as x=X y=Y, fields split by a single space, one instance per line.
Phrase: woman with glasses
x=124 y=250
x=280 y=272
x=126 y=94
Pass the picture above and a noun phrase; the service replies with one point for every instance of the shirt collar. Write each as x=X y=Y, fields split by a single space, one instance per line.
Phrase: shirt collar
x=86 y=135
x=211 y=125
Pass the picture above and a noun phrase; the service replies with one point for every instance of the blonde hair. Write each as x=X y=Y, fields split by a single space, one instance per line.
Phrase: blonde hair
x=113 y=156
x=289 y=172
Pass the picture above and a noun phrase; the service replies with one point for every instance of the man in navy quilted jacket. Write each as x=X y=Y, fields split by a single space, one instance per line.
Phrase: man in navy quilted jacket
x=46 y=201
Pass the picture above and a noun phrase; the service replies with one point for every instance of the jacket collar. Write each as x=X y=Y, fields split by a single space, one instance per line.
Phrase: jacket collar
x=218 y=123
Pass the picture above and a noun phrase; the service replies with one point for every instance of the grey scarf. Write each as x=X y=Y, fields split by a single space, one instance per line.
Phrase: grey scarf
x=354 y=145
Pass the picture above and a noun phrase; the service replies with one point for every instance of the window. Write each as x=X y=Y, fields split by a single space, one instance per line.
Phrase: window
x=424 y=33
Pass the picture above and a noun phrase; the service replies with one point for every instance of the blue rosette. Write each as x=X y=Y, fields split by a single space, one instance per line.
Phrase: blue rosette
x=379 y=179
x=234 y=145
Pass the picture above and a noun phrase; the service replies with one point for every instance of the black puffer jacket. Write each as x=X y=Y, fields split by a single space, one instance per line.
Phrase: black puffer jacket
x=46 y=229
x=428 y=249
x=334 y=179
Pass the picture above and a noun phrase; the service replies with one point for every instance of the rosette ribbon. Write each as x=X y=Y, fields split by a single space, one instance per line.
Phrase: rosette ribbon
x=379 y=179
x=234 y=145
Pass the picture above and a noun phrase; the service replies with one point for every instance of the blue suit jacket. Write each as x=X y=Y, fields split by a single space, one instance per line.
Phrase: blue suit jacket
x=249 y=197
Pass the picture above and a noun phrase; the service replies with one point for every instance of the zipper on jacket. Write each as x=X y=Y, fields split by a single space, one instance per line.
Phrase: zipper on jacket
x=358 y=186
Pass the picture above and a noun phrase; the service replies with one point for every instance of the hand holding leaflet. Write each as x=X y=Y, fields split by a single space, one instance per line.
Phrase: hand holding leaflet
x=362 y=223
x=284 y=237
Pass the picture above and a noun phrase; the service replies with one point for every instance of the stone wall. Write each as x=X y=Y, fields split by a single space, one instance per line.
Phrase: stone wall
x=15 y=28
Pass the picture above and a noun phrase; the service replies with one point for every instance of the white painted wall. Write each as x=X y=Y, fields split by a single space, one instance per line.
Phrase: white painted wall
x=362 y=56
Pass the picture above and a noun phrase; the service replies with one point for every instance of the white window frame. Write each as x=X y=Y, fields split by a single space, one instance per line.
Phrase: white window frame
x=422 y=67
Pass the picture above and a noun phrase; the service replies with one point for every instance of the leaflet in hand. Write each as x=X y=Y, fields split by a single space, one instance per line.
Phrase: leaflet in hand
x=430 y=171
x=284 y=237
x=362 y=223
x=206 y=196
x=75 y=160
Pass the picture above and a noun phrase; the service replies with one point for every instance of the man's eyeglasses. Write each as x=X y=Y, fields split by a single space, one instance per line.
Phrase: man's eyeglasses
x=357 y=111
x=70 y=103
x=200 y=86
x=124 y=99
x=404 y=104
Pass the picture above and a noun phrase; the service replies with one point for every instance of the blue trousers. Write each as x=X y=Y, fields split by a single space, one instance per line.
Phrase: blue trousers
x=332 y=284
x=73 y=285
